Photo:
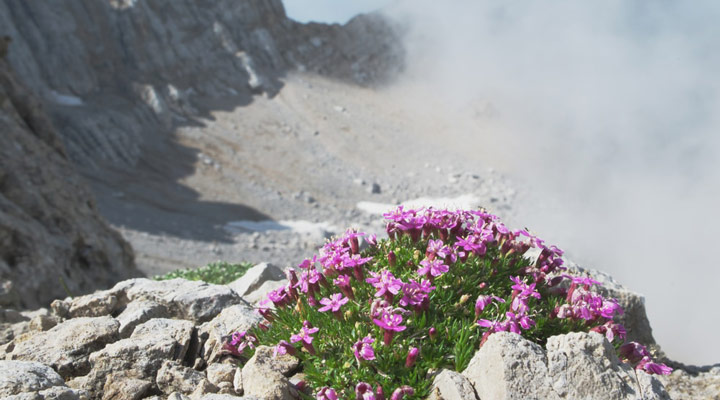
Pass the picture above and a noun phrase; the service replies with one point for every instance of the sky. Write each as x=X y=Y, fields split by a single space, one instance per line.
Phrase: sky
x=610 y=113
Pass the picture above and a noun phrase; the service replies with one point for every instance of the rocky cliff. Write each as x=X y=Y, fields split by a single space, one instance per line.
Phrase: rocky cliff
x=117 y=75
x=52 y=239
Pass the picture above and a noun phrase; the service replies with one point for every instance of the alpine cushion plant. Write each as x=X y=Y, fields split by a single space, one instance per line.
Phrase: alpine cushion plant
x=366 y=323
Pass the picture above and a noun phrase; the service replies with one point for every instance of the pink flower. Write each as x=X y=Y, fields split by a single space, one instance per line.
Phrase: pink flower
x=436 y=248
x=402 y=391
x=333 y=303
x=363 y=391
x=305 y=337
x=415 y=293
x=385 y=283
x=483 y=300
x=433 y=268
x=363 y=349
x=326 y=393
x=651 y=367
x=239 y=341
x=283 y=348
x=390 y=323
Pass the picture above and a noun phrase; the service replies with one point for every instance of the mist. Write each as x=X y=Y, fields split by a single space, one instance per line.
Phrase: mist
x=607 y=114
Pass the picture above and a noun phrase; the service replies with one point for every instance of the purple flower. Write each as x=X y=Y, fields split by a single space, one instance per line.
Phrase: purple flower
x=411 y=357
x=326 y=393
x=363 y=391
x=433 y=268
x=333 y=303
x=483 y=300
x=283 y=348
x=414 y=293
x=305 y=337
x=633 y=352
x=402 y=391
x=385 y=283
x=432 y=332
x=239 y=341
x=651 y=367
x=363 y=349
x=390 y=323
x=611 y=330
x=436 y=248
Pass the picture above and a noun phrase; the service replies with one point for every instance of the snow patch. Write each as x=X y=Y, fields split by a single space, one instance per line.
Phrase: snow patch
x=463 y=202
x=298 y=226
x=65 y=99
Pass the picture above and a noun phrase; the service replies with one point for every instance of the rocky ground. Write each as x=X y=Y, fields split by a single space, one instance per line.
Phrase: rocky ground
x=309 y=159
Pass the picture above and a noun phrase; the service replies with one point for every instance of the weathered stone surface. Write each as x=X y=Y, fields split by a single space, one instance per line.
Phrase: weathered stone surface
x=119 y=386
x=43 y=322
x=142 y=353
x=173 y=377
x=238 y=381
x=239 y=317
x=509 y=367
x=255 y=277
x=219 y=396
x=583 y=365
x=221 y=375
x=450 y=385
x=92 y=305
x=26 y=376
x=263 y=375
x=261 y=293
x=683 y=385
x=51 y=234
x=66 y=347
x=191 y=300
x=138 y=312
x=577 y=365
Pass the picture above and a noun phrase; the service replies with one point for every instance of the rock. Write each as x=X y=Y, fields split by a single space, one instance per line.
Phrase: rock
x=255 y=277
x=265 y=359
x=67 y=346
x=238 y=381
x=143 y=353
x=191 y=300
x=260 y=379
x=217 y=396
x=576 y=365
x=374 y=188
x=221 y=375
x=261 y=293
x=52 y=238
x=138 y=312
x=92 y=305
x=450 y=385
x=203 y=389
x=239 y=317
x=583 y=365
x=173 y=377
x=119 y=386
x=43 y=322
x=26 y=376
x=509 y=367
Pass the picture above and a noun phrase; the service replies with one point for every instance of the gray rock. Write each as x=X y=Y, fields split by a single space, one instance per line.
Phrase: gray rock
x=221 y=375
x=261 y=293
x=138 y=312
x=43 y=322
x=374 y=188
x=143 y=352
x=239 y=317
x=238 y=381
x=191 y=300
x=261 y=379
x=119 y=386
x=255 y=277
x=67 y=346
x=450 y=385
x=92 y=305
x=577 y=365
x=509 y=367
x=52 y=238
x=173 y=377
x=26 y=376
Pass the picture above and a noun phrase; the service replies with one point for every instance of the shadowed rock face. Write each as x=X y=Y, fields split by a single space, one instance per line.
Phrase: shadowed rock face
x=117 y=73
x=50 y=231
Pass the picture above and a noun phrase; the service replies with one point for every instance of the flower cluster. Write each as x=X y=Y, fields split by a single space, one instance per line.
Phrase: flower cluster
x=363 y=322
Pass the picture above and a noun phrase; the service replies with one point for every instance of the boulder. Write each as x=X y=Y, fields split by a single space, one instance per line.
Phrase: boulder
x=222 y=376
x=450 y=385
x=261 y=292
x=255 y=277
x=26 y=376
x=575 y=366
x=239 y=317
x=138 y=312
x=143 y=353
x=173 y=377
x=120 y=386
x=67 y=346
x=264 y=375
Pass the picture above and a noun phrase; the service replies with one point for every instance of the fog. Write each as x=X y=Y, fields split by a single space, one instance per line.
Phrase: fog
x=608 y=112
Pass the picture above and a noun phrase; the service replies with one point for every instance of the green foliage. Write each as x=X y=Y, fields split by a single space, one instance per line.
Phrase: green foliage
x=219 y=273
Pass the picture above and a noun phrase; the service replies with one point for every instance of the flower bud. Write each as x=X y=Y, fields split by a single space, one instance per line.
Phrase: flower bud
x=392 y=260
x=411 y=357
x=433 y=333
